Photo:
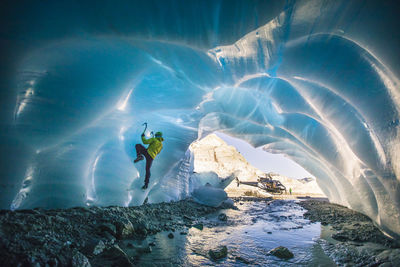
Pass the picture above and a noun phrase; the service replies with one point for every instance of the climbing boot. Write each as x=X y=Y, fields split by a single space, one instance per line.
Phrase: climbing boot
x=139 y=158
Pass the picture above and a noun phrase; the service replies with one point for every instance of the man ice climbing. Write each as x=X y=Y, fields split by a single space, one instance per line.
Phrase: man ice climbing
x=155 y=146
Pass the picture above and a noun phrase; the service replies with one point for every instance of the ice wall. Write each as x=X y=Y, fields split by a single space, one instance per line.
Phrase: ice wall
x=314 y=80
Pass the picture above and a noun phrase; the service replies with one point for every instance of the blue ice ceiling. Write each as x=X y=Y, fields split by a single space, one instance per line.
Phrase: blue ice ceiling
x=314 y=80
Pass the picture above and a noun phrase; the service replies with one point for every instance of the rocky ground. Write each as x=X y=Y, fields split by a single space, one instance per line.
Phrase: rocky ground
x=356 y=241
x=88 y=236
x=93 y=236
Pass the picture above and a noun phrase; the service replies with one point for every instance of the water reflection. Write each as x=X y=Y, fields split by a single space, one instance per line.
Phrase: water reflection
x=249 y=233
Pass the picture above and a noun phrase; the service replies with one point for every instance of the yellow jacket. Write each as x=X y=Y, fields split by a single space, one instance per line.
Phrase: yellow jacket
x=155 y=145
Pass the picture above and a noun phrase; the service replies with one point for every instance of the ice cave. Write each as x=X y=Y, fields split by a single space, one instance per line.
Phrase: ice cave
x=317 y=81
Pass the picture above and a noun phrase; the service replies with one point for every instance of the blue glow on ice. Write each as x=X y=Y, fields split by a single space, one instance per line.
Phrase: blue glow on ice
x=316 y=81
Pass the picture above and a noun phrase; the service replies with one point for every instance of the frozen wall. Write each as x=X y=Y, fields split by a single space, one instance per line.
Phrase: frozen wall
x=314 y=80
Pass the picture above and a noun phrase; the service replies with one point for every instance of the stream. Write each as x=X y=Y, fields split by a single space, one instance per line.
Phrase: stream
x=249 y=233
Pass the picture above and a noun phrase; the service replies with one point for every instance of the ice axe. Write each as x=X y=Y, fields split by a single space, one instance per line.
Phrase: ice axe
x=145 y=128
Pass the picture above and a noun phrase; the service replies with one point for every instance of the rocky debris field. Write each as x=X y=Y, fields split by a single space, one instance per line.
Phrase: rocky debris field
x=112 y=236
x=88 y=236
x=356 y=240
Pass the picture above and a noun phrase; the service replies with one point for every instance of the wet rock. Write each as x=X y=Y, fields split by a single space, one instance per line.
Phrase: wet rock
x=113 y=256
x=222 y=217
x=171 y=235
x=187 y=218
x=108 y=237
x=218 y=253
x=37 y=236
x=282 y=253
x=183 y=233
x=198 y=226
x=94 y=246
x=140 y=228
x=241 y=259
x=391 y=256
x=108 y=227
x=152 y=244
x=228 y=204
x=146 y=249
x=80 y=260
x=53 y=262
x=99 y=248
x=350 y=225
x=124 y=228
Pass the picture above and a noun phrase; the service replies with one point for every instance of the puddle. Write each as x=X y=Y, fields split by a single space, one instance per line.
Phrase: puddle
x=249 y=233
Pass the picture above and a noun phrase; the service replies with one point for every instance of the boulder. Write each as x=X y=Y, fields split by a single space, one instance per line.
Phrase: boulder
x=108 y=227
x=141 y=228
x=198 y=226
x=124 y=228
x=222 y=217
x=171 y=235
x=113 y=256
x=99 y=248
x=218 y=253
x=241 y=259
x=391 y=256
x=282 y=253
x=94 y=246
x=145 y=249
x=80 y=260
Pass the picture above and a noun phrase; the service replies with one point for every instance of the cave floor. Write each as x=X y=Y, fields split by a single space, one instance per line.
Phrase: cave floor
x=185 y=233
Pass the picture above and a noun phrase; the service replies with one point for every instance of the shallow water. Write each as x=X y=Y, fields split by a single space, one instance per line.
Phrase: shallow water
x=249 y=233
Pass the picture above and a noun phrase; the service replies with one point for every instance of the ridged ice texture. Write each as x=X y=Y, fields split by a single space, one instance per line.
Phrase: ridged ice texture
x=314 y=80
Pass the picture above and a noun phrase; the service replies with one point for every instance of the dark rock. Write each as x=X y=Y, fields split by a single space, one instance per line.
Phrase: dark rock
x=108 y=227
x=53 y=262
x=171 y=235
x=183 y=233
x=152 y=244
x=187 y=218
x=223 y=217
x=269 y=233
x=124 y=228
x=391 y=256
x=282 y=253
x=218 y=253
x=198 y=226
x=99 y=248
x=238 y=258
x=94 y=246
x=109 y=238
x=140 y=228
x=146 y=249
x=113 y=256
x=80 y=260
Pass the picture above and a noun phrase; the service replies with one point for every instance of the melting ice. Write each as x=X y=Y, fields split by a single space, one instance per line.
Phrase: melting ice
x=315 y=81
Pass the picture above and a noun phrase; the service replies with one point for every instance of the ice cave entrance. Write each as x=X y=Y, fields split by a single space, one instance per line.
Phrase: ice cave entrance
x=224 y=155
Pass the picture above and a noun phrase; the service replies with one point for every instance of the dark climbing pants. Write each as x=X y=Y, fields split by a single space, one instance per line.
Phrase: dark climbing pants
x=141 y=150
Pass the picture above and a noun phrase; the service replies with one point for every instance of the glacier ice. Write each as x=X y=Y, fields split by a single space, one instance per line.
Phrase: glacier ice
x=314 y=80
x=209 y=195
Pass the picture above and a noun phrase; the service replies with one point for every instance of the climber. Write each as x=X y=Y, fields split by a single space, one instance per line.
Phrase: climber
x=155 y=146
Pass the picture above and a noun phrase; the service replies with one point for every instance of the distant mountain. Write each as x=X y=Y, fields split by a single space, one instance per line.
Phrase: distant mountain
x=213 y=154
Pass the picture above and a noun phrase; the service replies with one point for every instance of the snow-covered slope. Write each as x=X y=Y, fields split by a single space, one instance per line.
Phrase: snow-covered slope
x=213 y=154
